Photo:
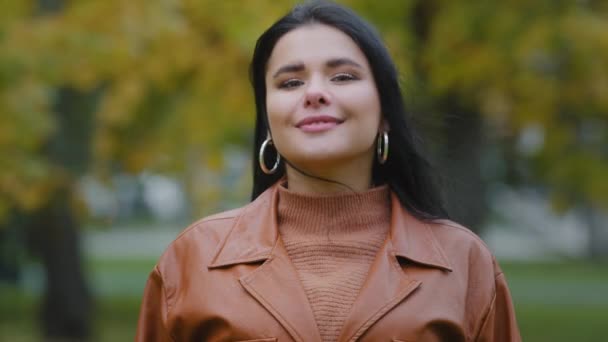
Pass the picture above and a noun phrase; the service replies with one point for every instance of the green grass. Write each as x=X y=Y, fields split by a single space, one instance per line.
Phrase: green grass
x=16 y=315
x=565 y=301
x=119 y=277
x=580 y=323
x=115 y=318
x=554 y=301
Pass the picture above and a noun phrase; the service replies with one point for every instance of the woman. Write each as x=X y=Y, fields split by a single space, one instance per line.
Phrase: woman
x=342 y=241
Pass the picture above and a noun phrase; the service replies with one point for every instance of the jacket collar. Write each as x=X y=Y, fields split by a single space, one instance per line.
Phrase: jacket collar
x=254 y=235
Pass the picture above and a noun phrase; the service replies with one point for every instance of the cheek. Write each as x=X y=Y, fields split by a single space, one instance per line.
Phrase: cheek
x=364 y=102
x=278 y=107
x=371 y=100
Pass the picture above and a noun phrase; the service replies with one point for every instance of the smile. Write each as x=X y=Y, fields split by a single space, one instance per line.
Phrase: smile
x=316 y=124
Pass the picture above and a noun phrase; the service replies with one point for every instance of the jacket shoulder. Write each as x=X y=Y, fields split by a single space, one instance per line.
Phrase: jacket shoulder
x=487 y=291
x=464 y=246
x=199 y=241
x=219 y=221
x=448 y=230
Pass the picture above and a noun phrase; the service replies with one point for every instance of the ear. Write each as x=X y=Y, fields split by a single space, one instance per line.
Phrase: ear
x=384 y=126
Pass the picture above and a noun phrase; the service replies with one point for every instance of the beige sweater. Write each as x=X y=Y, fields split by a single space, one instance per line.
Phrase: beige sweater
x=332 y=241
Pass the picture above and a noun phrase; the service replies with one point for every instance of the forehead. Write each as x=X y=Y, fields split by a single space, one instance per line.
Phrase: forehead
x=314 y=43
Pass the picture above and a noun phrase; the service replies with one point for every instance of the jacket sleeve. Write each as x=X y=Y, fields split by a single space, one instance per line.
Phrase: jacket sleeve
x=499 y=323
x=152 y=324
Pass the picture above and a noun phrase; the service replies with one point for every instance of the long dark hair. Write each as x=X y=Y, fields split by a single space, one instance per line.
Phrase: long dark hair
x=407 y=172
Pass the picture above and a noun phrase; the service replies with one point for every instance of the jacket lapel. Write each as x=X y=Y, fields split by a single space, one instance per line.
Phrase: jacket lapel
x=387 y=285
x=275 y=284
x=277 y=287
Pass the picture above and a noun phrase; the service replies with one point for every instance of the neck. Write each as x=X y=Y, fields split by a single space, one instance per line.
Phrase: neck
x=328 y=182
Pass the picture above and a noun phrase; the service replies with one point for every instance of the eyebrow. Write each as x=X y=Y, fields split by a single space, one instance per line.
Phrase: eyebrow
x=289 y=68
x=332 y=63
x=336 y=62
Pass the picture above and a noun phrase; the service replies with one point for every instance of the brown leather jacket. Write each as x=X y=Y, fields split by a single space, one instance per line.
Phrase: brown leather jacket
x=228 y=278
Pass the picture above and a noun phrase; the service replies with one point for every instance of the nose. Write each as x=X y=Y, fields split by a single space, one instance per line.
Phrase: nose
x=315 y=99
x=316 y=96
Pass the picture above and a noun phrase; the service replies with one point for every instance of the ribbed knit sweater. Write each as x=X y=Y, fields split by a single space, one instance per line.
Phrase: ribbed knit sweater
x=332 y=241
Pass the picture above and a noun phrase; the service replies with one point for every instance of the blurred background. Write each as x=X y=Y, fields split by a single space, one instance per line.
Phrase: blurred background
x=123 y=121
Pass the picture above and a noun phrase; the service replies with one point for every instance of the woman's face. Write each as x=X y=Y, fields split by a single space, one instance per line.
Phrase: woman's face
x=322 y=102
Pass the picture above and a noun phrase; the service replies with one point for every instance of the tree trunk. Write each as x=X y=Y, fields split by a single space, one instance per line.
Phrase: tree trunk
x=457 y=128
x=53 y=237
x=464 y=188
x=10 y=248
x=597 y=227
x=53 y=232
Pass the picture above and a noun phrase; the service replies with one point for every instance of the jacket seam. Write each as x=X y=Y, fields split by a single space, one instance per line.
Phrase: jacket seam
x=218 y=250
x=201 y=222
x=492 y=303
x=165 y=301
x=437 y=246
x=385 y=308
x=261 y=298
x=463 y=229
x=276 y=311
x=381 y=312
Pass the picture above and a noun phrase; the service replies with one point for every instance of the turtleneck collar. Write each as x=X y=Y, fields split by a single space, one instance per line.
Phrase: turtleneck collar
x=342 y=214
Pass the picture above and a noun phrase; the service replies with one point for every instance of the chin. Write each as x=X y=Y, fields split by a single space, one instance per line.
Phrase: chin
x=313 y=160
x=324 y=153
x=316 y=160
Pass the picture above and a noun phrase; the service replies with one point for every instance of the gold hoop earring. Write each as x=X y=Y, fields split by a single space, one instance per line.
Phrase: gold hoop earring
x=382 y=147
x=263 y=166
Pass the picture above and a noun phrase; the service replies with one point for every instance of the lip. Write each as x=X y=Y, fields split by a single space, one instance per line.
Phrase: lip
x=318 y=123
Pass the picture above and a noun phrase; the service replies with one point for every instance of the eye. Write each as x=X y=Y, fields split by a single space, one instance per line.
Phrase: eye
x=344 y=77
x=290 y=83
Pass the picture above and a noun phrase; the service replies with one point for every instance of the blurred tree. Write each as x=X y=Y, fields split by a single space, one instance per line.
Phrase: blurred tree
x=172 y=80
x=537 y=73
x=60 y=155
x=457 y=125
